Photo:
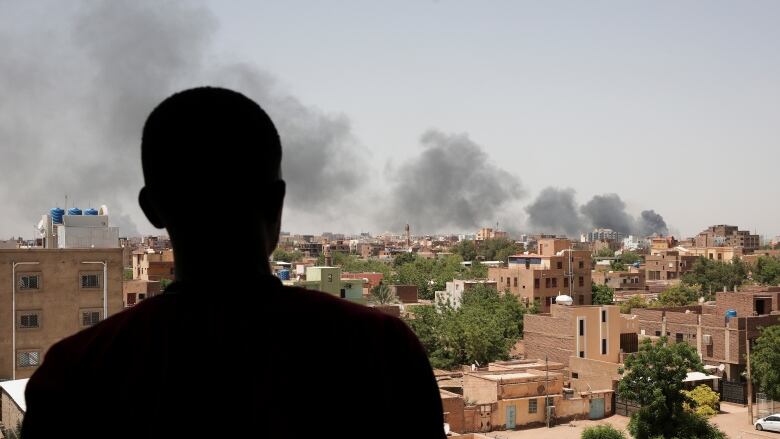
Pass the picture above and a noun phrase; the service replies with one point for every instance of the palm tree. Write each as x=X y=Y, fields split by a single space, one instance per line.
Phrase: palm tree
x=383 y=295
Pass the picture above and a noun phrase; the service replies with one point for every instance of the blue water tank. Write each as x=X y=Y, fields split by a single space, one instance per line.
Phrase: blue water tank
x=91 y=211
x=74 y=211
x=283 y=274
x=731 y=313
x=56 y=215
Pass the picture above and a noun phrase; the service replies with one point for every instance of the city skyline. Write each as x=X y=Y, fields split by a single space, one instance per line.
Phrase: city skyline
x=444 y=115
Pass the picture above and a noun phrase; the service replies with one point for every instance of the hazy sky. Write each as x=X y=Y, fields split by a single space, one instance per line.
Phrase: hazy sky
x=674 y=106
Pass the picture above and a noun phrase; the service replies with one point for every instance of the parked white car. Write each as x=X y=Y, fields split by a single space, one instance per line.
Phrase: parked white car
x=770 y=423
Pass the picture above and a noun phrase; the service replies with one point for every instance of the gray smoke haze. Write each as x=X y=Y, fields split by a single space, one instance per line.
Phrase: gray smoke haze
x=650 y=223
x=75 y=96
x=451 y=184
x=608 y=211
x=555 y=211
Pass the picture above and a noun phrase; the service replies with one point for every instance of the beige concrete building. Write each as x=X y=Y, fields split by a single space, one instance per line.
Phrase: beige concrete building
x=55 y=293
x=668 y=266
x=729 y=236
x=631 y=280
x=153 y=265
x=488 y=233
x=723 y=254
x=135 y=291
x=540 y=277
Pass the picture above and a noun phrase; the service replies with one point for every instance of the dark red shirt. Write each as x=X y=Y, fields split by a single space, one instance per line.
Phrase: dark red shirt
x=237 y=361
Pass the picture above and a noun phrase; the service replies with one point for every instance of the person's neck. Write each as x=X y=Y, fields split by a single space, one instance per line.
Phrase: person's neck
x=204 y=266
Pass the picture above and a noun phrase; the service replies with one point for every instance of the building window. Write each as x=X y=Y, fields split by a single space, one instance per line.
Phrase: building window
x=603 y=346
x=575 y=375
x=547 y=282
x=582 y=299
x=28 y=359
x=603 y=316
x=515 y=282
x=678 y=337
x=330 y=278
x=89 y=318
x=582 y=281
x=508 y=280
x=555 y=282
x=559 y=265
x=566 y=282
x=657 y=333
x=582 y=264
x=582 y=327
x=582 y=354
x=90 y=281
x=29 y=282
x=29 y=320
x=536 y=283
x=532 y=406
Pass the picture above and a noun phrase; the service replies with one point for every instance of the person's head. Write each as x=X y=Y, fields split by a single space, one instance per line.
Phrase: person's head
x=211 y=161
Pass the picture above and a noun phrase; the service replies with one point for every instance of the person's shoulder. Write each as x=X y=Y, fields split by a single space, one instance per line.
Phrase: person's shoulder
x=327 y=304
x=107 y=332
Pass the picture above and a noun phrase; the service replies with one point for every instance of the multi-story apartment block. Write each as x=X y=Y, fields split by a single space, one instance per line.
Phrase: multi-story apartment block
x=50 y=294
x=728 y=236
x=667 y=266
x=539 y=277
x=153 y=265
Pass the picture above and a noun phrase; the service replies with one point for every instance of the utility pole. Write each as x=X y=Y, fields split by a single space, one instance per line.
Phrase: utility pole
x=546 y=391
x=749 y=377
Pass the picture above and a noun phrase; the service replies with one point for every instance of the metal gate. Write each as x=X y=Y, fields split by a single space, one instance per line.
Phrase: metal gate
x=597 y=408
x=510 y=417
x=764 y=405
x=733 y=391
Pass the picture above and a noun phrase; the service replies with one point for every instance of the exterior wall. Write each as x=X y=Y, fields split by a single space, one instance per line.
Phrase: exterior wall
x=133 y=291
x=724 y=254
x=620 y=280
x=153 y=266
x=745 y=302
x=325 y=279
x=374 y=279
x=453 y=410
x=479 y=390
x=59 y=300
x=557 y=335
x=405 y=293
x=667 y=266
x=592 y=375
x=10 y=413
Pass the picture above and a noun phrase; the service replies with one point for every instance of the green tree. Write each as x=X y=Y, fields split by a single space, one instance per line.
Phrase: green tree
x=602 y=294
x=477 y=270
x=653 y=377
x=629 y=257
x=605 y=252
x=714 y=276
x=617 y=265
x=285 y=256
x=633 y=302
x=765 y=361
x=164 y=283
x=679 y=295
x=466 y=249
x=383 y=295
x=767 y=270
x=404 y=258
x=127 y=274
x=498 y=249
x=702 y=401
x=484 y=328
x=603 y=431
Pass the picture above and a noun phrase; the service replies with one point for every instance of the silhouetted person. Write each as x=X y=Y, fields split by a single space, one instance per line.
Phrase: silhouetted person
x=226 y=350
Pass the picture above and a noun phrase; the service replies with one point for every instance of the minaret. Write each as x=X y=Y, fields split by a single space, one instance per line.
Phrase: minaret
x=408 y=237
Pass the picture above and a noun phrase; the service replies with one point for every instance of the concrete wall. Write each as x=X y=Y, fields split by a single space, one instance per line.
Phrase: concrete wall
x=405 y=293
x=10 y=413
x=479 y=390
x=60 y=300
x=453 y=410
x=592 y=375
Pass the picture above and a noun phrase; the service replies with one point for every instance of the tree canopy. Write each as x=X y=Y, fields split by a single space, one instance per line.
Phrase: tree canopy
x=496 y=249
x=483 y=329
x=633 y=302
x=679 y=295
x=602 y=294
x=714 y=276
x=653 y=377
x=765 y=361
x=767 y=270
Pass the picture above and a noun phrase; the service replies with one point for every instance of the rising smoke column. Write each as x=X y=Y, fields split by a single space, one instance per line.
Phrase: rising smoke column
x=555 y=211
x=75 y=97
x=450 y=184
x=608 y=211
x=650 y=223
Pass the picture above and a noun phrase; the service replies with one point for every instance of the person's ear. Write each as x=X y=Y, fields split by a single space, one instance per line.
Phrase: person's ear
x=145 y=200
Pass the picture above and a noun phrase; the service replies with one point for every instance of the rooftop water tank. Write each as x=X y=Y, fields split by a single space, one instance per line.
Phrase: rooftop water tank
x=91 y=211
x=56 y=215
x=730 y=314
x=283 y=274
x=74 y=211
x=563 y=299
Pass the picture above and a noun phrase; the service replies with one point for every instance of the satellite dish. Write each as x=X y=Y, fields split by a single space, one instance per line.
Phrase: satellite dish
x=721 y=367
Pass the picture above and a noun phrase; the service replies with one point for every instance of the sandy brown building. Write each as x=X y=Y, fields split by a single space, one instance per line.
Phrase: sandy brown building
x=153 y=265
x=539 y=277
x=55 y=293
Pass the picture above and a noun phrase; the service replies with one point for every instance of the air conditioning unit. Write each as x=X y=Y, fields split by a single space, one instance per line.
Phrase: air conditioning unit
x=706 y=339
